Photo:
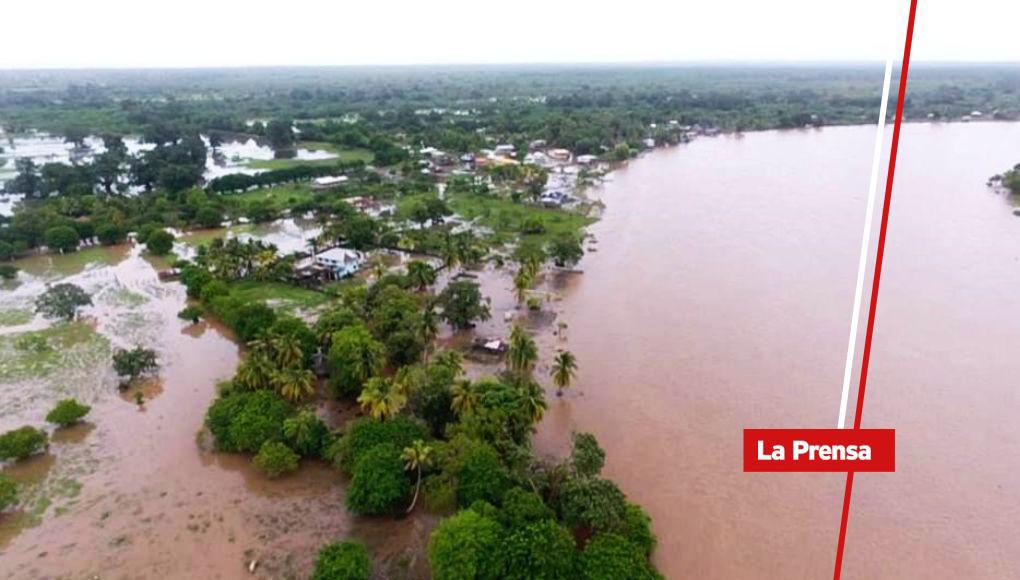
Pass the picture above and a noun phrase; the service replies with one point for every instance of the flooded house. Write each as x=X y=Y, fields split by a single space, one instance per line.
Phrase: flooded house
x=331 y=264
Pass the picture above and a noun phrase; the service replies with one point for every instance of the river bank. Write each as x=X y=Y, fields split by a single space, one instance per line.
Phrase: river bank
x=719 y=299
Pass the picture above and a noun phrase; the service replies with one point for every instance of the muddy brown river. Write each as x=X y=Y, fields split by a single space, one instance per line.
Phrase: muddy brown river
x=720 y=298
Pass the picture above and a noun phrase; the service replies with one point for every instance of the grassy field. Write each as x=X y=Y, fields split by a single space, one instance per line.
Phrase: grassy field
x=277 y=295
x=507 y=218
x=342 y=154
x=15 y=316
x=72 y=262
x=63 y=347
x=280 y=196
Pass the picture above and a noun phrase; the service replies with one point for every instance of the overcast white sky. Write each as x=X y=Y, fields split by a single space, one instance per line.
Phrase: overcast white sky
x=188 y=33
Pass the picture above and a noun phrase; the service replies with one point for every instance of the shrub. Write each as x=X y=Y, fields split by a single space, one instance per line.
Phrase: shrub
x=610 y=556
x=209 y=217
x=587 y=457
x=8 y=492
x=522 y=508
x=342 y=561
x=636 y=527
x=62 y=301
x=190 y=313
x=252 y=320
x=364 y=434
x=160 y=242
x=593 y=502
x=481 y=476
x=63 y=238
x=135 y=362
x=245 y=420
x=275 y=459
x=8 y=272
x=543 y=550
x=109 y=234
x=212 y=289
x=466 y=545
x=440 y=493
x=354 y=357
x=67 y=412
x=22 y=443
x=194 y=279
x=379 y=484
x=306 y=434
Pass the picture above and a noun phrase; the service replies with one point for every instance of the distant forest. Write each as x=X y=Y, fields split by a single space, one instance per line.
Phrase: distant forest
x=584 y=108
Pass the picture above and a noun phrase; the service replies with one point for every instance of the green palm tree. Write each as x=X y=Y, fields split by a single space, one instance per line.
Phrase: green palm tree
x=522 y=353
x=450 y=359
x=256 y=372
x=421 y=274
x=533 y=401
x=428 y=329
x=286 y=350
x=563 y=370
x=416 y=457
x=465 y=397
x=522 y=283
x=381 y=398
x=294 y=384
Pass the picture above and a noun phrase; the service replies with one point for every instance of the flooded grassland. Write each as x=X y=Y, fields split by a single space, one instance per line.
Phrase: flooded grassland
x=130 y=493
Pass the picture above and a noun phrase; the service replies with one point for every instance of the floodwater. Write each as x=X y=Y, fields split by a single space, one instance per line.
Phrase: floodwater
x=720 y=298
x=132 y=493
x=232 y=156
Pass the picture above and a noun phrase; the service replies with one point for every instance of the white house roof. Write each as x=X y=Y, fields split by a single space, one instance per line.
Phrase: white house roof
x=330 y=180
x=339 y=255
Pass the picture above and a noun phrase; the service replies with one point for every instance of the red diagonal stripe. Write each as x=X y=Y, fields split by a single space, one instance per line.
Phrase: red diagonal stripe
x=869 y=333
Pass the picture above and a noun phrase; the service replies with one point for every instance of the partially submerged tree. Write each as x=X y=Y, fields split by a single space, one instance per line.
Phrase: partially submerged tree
x=135 y=362
x=67 y=412
x=462 y=304
x=563 y=370
x=191 y=314
x=342 y=561
x=22 y=443
x=8 y=492
x=62 y=301
x=522 y=352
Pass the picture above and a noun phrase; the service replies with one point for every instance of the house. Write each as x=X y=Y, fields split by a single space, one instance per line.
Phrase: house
x=553 y=199
x=504 y=149
x=649 y=143
x=587 y=159
x=559 y=154
x=340 y=262
x=327 y=182
x=536 y=158
x=537 y=144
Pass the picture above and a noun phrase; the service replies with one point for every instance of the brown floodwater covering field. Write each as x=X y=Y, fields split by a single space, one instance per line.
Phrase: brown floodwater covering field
x=130 y=493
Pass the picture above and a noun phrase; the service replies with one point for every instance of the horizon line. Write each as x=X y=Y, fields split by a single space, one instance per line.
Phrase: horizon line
x=521 y=64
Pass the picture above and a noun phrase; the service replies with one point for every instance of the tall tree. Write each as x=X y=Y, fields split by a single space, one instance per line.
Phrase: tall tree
x=522 y=352
x=416 y=458
x=563 y=370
